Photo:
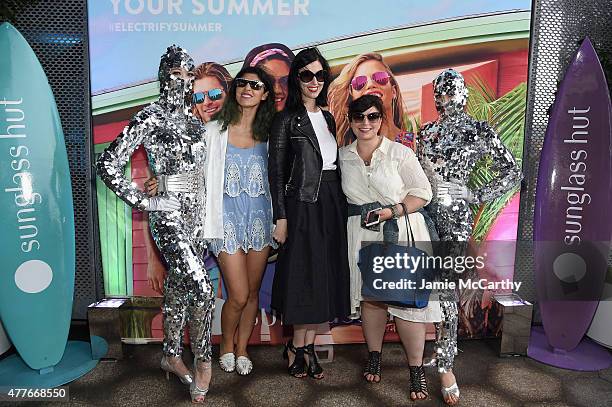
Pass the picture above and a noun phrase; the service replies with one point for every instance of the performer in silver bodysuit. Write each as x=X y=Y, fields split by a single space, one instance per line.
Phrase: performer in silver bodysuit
x=449 y=150
x=174 y=143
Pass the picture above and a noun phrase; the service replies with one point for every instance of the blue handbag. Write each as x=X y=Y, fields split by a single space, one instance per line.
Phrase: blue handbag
x=405 y=291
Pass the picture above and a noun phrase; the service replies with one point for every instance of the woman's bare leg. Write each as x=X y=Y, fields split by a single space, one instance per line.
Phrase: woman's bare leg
x=412 y=335
x=373 y=323
x=234 y=270
x=256 y=267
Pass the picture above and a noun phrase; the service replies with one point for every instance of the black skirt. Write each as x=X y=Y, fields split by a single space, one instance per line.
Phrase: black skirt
x=311 y=282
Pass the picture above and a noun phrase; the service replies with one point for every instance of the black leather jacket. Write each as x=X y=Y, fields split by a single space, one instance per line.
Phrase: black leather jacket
x=294 y=158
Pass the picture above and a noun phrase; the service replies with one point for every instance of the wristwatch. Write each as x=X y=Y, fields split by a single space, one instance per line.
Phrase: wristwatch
x=394 y=211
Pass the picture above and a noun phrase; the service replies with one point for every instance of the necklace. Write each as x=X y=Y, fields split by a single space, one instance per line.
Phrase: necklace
x=367 y=162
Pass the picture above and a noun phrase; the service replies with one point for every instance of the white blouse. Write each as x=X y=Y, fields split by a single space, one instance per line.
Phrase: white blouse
x=394 y=172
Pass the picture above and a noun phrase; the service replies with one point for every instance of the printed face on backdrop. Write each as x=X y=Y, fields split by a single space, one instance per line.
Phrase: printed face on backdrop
x=368 y=74
x=372 y=78
x=311 y=89
x=252 y=93
x=279 y=71
x=274 y=58
x=213 y=97
x=366 y=125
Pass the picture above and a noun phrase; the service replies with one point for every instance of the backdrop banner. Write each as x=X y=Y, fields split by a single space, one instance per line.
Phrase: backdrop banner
x=412 y=41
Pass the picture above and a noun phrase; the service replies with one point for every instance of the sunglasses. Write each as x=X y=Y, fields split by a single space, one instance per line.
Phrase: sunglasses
x=380 y=77
x=213 y=94
x=360 y=117
x=255 y=85
x=307 y=76
x=283 y=81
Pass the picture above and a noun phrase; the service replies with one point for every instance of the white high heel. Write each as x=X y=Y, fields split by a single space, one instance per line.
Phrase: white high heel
x=227 y=361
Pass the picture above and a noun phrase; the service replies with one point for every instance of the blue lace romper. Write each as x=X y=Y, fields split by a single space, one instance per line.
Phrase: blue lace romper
x=247 y=207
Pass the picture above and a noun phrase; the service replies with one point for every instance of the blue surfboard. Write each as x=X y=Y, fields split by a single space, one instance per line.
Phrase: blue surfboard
x=5 y=344
x=37 y=240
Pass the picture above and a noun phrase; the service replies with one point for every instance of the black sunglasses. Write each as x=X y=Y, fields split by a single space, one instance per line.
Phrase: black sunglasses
x=360 y=117
x=255 y=85
x=283 y=81
x=307 y=75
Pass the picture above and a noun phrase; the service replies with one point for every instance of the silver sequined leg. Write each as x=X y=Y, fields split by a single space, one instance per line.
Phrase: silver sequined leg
x=200 y=319
x=174 y=311
x=455 y=235
x=446 y=336
x=188 y=292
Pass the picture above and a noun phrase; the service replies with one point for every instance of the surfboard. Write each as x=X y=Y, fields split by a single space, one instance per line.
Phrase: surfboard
x=37 y=244
x=5 y=344
x=572 y=219
x=601 y=327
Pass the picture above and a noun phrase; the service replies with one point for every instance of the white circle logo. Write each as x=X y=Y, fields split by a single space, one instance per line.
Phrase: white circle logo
x=569 y=267
x=33 y=276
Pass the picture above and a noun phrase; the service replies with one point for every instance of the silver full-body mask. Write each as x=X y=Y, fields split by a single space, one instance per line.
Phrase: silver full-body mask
x=449 y=150
x=174 y=143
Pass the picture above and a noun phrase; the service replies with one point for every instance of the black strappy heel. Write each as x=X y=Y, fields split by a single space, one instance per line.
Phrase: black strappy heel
x=314 y=368
x=372 y=367
x=298 y=367
x=288 y=348
x=418 y=382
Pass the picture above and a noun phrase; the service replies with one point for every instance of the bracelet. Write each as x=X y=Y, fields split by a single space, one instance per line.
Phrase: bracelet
x=394 y=211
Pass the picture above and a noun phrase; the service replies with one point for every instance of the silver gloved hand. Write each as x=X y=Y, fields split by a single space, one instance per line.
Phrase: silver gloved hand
x=455 y=191
x=163 y=203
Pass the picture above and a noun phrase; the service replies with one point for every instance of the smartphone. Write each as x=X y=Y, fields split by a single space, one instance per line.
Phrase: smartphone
x=373 y=217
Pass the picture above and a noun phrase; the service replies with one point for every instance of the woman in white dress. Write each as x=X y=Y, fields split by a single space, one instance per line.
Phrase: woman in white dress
x=377 y=170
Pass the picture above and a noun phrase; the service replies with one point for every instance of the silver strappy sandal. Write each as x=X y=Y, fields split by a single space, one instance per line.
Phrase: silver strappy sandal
x=167 y=367
x=198 y=395
x=452 y=390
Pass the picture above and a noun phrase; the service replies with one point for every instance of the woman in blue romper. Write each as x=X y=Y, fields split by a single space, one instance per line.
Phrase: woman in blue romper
x=238 y=222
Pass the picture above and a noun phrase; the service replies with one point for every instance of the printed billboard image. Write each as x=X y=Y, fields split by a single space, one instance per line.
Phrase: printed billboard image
x=393 y=49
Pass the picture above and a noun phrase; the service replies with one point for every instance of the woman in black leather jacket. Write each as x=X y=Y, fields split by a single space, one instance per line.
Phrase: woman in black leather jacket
x=311 y=284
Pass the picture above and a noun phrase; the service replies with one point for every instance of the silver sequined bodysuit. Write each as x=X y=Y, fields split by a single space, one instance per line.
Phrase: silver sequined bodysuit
x=448 y=150
x=174 y=142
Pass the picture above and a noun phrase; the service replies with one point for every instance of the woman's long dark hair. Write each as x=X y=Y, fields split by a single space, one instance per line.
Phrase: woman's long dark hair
x=303 y=58
x=230 y=112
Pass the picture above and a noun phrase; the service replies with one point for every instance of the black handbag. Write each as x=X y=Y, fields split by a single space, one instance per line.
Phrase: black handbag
x=406 y=291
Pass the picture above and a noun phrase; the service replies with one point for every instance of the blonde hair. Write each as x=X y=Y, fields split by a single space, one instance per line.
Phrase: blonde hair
x=215 y=70
x=339 y=95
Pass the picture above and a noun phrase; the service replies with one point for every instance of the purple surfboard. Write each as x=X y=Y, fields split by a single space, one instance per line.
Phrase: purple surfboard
x=573 y=222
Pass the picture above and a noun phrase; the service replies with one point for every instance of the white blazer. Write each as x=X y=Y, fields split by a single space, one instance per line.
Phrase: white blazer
x=216 y=146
